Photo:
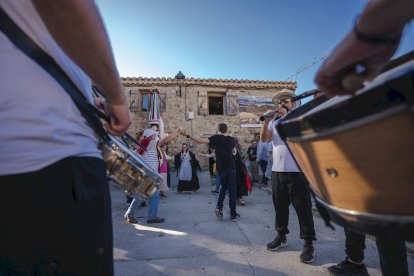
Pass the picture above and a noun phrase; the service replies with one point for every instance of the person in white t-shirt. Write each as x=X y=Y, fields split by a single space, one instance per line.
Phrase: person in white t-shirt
x=51 y=171
x=288 y=185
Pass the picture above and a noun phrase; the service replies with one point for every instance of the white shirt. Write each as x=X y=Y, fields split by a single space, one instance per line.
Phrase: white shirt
x=282 y=159
x=39 y=123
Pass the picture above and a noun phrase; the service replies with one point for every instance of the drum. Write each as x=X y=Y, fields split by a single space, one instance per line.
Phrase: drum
x=128 y=170
x=357 y=153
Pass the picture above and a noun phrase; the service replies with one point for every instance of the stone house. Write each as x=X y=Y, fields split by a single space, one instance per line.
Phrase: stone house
x=199 y=105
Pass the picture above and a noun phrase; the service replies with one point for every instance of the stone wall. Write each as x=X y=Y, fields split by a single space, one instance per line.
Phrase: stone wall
x=193 y=99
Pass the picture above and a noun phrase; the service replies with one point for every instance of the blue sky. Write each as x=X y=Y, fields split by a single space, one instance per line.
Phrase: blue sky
x=229 y=39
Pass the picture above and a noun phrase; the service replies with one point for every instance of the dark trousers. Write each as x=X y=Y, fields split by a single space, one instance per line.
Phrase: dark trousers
x=263 y=166
x=391 y=251
x=354 y=245
x=291 y=187
x=228 y=182
x=57 y=221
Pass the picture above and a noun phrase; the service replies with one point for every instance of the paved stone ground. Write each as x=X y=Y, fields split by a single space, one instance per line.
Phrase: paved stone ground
x=193 y=242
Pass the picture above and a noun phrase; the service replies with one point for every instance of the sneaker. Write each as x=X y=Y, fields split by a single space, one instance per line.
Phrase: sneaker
x=156 y=220
x=214 y=192
x=129 y=199
x=235 y=217
x=130 y=219
x=347 y=268
x=219 y=213
x=277 y=243
x=308 y=254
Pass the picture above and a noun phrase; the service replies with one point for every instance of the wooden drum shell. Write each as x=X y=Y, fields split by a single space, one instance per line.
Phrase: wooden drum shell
x=368 y=169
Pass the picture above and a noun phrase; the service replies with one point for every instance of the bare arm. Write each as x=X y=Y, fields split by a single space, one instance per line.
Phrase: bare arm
x=78 y=29
x=168 y=139
x=209 y=155
x=199 y=140
x=265 y=133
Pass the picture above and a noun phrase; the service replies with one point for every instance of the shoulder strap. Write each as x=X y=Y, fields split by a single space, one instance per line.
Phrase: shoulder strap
x=32 y=50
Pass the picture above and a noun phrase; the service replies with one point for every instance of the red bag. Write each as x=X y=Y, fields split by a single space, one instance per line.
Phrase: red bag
x=247 y=179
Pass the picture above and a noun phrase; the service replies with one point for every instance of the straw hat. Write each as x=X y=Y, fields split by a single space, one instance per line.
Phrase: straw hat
x=284 y=93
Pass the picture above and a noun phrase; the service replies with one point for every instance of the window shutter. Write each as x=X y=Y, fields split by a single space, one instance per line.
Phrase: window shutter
x=232 y=106
x=163 y=102
x=202 y=103
x=133 y=101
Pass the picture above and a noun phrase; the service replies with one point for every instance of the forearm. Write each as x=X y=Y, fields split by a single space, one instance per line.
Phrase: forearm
x=265 y=134
x=385 y=17
x=168 y=139
x=78 y=29
x=199 y=140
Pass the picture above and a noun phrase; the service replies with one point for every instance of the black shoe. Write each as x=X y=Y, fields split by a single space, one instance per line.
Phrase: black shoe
x=143 y=204
x=219 y=213
x=235 y=217
x=347 y=268
x=277 y=243
x=129 y=199
x=156 y=220
x=215 y=192
x=308 y=254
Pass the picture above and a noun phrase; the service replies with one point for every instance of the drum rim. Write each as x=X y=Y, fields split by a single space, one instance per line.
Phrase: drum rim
x=137 y=159
x=351 y=125
x=354 y=111
x=399 y=219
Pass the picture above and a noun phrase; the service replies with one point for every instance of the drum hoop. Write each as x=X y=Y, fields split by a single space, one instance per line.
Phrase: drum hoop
x=351 y=125
x=377 y=100
x=366 y=216
x=145 y=167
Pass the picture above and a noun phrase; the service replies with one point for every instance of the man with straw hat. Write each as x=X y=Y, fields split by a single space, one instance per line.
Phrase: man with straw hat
x=288 y=183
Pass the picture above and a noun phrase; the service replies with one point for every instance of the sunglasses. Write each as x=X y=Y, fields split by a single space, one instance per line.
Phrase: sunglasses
x=283 y=101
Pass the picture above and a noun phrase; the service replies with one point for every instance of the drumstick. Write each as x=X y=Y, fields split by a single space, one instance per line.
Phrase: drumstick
x=353 y=80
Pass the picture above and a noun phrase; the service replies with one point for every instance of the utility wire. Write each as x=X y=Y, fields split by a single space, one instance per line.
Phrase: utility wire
x=307 y=66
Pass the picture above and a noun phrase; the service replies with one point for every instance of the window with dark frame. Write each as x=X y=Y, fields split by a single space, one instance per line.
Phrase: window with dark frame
x=145 y=100
x=139 y=100
x=215 y=104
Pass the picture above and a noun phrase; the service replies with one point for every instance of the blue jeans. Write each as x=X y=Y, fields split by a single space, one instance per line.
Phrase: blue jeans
x=218 y=182
x=228 y=182
x=152 y=206
x=263 y=166
x=253 y=169
x=268 y=172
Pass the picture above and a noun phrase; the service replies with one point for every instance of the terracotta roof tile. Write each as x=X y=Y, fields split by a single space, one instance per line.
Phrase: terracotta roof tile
x=163 y=81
